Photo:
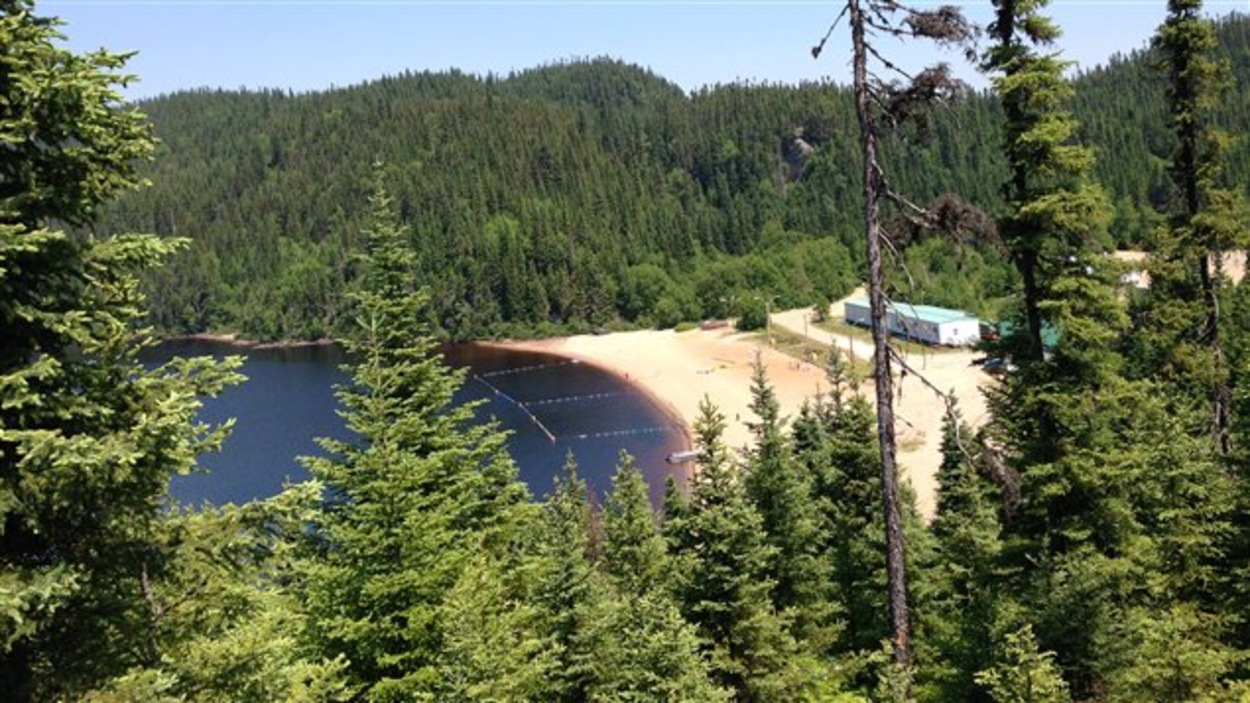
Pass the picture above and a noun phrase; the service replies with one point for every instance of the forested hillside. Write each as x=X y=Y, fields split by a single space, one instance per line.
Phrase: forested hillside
x=586 y=193
x=1091 y=542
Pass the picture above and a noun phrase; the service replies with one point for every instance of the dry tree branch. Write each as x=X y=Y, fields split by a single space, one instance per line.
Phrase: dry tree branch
x=946 y=26
x=991 y=464
x=888 y=64
x=896 y=257
x=888 y=240
x=919 y=216
x=948 y=400
x=837 y=20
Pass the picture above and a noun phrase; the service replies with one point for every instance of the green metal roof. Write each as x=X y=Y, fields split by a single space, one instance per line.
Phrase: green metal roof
x=1050 y=335
x=926 y=313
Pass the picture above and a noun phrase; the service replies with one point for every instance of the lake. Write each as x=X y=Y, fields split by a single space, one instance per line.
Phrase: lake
x=550 y=404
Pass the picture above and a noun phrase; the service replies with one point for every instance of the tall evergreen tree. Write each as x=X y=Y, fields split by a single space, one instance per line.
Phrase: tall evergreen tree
x=967 y=531
x=409 y=500
x=781 y=491
x=88 y=437
x=569 y=589
x=724 y=588
x=1110 y=481
x=635 y=555
x=845 y=490
x=496 y=645
x=1181 y=318
x=646 y=650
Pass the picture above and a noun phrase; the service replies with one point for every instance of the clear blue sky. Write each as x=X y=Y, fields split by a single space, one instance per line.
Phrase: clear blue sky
x=315 y=44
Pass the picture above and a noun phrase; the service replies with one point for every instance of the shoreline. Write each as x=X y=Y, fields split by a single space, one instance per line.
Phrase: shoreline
x=231 y=339
x=551 y=345
x=676 y=370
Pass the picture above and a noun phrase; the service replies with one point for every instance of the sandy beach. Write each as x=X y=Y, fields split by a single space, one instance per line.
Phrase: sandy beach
x=679 y=368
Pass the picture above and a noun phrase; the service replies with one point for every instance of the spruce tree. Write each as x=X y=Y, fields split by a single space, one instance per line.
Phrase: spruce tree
x=1111 y=483
x=88 y=437
x=725 y=590
x=845 y=469
x=967 y=531
x=1053 y=414
x=1181 y=330
x=408 y=501
x=1022 y=673
x=226 y=616
x=569 y=589
x=1190 y=335
x=635 y=555
x=495 y=645
x=645 y=649
x=781 y=492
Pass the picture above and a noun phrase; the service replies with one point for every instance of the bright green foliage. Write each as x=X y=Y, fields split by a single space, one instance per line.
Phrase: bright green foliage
x=674 y=505
x=1176 y=655
x=644 y=650
x=545 y=619
x=495 y=648
x=781 y=491
x=569 y=590
x=752 y=312
x=1180 y=340
x=88 y=437
x=224 y=611
x=1120 y=506
x=634 y=554
x=70 y=145
x=1022 y=673
x=967 y=532
x=894 y=683
x=408 y=502
x=722 y=559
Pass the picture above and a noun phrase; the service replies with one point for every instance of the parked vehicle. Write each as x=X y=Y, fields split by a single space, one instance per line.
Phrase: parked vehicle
x=997 y=366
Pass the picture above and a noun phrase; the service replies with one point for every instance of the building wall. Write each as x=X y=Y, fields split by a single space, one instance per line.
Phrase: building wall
x=857 y=313
x=960 y=332
x=902 y=324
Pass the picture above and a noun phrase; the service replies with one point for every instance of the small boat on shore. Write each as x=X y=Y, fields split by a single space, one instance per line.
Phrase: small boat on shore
x=683 y=457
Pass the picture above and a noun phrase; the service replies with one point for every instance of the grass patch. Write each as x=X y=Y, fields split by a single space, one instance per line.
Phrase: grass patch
x=801 y=348
x=912 y=442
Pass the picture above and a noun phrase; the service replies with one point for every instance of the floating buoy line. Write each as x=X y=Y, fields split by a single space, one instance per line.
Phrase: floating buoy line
x=525 y=407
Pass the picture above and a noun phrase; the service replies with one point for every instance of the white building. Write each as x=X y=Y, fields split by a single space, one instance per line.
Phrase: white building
x=922 y=323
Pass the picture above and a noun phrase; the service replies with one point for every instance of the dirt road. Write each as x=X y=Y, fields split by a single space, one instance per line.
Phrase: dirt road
x=919 y=410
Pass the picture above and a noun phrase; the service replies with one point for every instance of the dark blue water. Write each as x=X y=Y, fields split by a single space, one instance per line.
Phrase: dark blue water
x=550 y=405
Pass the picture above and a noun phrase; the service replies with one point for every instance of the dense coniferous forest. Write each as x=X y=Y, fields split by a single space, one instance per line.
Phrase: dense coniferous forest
x=590 y=193
x=1091 y=541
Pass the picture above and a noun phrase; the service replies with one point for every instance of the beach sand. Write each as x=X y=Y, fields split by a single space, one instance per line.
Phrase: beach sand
x=678 y=369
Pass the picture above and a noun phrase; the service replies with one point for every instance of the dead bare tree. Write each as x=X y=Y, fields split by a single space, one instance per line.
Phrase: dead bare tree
x=885 y=95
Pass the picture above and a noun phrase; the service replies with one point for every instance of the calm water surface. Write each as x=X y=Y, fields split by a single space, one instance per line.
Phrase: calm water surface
x=551 y=405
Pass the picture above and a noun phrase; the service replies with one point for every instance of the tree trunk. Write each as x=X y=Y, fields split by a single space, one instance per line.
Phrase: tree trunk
x=896 y=570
